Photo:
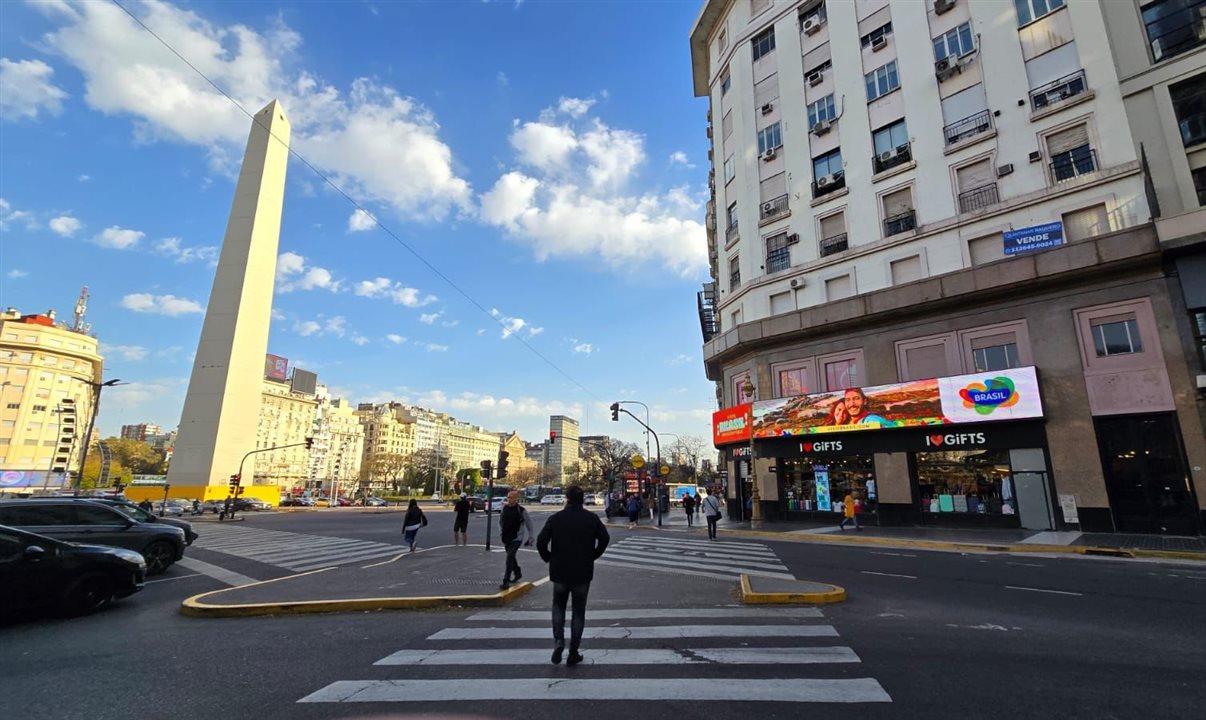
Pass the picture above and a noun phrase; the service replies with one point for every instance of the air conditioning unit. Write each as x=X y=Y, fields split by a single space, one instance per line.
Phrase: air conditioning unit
x=815 y=79
x=887 y=155
x=941 y=6
x=1004 y=170
x=822 y=127
x=766 y=109
x=946 y=67
x=1036 y=156
x=813 y=25
x=770 y=155
x=767 y=209
x=793 y=239
x=879 y=43
x=797 y=282
x=826 y=181
x=709 y=132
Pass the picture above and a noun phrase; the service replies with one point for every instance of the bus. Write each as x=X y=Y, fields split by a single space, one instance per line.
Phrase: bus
x=533 y=493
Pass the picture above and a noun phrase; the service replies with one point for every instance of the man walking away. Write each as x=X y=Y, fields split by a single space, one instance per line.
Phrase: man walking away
x=634 y=511
x=689 y=508
x=411 y=523
x=711 y=509
x=848 y=512
x=578 y=538
x=515 y=529
x=460 y=526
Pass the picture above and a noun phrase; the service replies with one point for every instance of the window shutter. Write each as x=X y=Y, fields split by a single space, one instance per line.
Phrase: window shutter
x=1086 y=223
x=994 y=340
x=964 y=104
x=781 y=303
x=774 y=187
x=898 y=202
x=986 y=249
x=926 y=362
x=815 y=58
x=1065 y=140
x=873 y=21
x=1052 y=65
x=975 y=175
x=906 y=270
x=833 y=225
x=757 y=6
x=838 y=288
x=726 y=125
x=766 y=91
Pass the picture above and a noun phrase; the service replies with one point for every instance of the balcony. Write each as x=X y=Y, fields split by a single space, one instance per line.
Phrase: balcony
x=1058 y=90
x=778 y=260
x=773 y=209
x=978 y=198
x=1073 y=164
x=899 y=223
x=970 y=126
x=706 y=300
x=731 y=234
x=828 y=184
x=889 y=159
x=835 y=244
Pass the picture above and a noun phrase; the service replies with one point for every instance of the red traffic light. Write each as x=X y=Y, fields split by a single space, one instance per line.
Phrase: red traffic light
x=552 y=437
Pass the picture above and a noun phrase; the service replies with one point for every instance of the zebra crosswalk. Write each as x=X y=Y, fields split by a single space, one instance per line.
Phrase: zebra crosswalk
x=293 y=551
x=721 y=560
x=784 y=652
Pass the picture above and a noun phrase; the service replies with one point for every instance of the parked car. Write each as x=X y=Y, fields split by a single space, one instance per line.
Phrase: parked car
x=592 y=499
x=37 y=571
x=435 y=497
x=297 y=502
x=476 y=502
x=141 y=515
x=92 y=522
x=252 y=504
x=374 y=502
x=552 y=500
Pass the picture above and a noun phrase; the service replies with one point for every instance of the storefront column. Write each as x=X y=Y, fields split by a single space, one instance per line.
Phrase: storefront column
x=896 y=502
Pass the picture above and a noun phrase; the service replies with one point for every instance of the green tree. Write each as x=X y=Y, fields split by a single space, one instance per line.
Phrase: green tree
x=137 y=456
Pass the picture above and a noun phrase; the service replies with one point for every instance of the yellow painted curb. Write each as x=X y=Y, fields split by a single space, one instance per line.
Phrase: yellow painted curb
x=195 y=607
x=749 y=597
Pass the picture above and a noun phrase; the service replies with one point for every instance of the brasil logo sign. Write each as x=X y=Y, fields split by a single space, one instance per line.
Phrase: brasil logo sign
x=998 y=392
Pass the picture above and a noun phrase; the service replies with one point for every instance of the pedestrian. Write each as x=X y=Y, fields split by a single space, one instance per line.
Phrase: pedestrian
x=460 y=525
x=515 y=529
x=749 y=507
x=634 y=511
x=147 y=505
x=577 y=538
x=196 y=507
x=227 y=509
x=689 y=508
x=649 y=504
x=711 y=511
x=848 y=512
x=411 y=523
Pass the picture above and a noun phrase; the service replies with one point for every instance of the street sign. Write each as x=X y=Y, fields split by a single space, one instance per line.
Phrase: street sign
x=638 y=462
x=664 y=470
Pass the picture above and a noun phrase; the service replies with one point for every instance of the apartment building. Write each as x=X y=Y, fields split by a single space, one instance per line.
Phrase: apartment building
x=935 y=213
x=140 y=431
x=389 y=434
x=287 y=417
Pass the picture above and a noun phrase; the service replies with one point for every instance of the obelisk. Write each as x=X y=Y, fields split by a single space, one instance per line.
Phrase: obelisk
x=222 y=407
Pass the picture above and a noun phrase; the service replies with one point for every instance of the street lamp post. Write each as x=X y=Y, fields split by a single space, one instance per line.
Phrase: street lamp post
x=638 y=402
x=748 y=389
x=96 y=393
x=657 y=495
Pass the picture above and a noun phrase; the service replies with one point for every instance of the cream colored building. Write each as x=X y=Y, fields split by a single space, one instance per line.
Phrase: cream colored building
x=389 y=430
x=46 y=377
x=286 y=418
x=517 y=452
x=345 y=447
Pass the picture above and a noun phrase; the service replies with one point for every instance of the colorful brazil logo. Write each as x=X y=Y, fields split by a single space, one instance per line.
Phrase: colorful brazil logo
x=989 y=395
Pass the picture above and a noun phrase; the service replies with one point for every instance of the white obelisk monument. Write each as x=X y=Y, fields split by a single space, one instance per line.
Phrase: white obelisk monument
x=222 y=407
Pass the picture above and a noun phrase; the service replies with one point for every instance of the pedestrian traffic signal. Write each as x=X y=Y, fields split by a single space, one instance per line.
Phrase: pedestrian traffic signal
x=309 y=442
x=502 y=464
x=234 y=482
x=615 y=412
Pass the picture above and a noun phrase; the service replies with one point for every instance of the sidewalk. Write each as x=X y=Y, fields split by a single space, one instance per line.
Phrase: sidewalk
x=1002 y=540
x=442 y=576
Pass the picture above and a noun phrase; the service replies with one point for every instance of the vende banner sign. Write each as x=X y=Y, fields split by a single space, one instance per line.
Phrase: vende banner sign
x=1031 y=239
x=982 y=397
x=732 y=425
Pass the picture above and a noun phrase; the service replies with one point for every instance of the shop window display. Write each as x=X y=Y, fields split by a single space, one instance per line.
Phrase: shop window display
x=816 y=484
x=975 y=481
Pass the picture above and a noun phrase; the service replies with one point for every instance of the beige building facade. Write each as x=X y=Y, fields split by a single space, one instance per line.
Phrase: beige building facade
x=389 y=435
x=286 y=418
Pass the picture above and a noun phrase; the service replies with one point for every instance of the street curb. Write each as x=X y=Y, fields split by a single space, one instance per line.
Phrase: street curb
x=835 y=595
x=195 y=607
x=830 y=539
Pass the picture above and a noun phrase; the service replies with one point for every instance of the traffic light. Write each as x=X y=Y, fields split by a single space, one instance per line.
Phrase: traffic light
x=234 y=482
x=552 y=437
x=615 y=412
x=309 y=442
x=486 y=469
x=502 y=464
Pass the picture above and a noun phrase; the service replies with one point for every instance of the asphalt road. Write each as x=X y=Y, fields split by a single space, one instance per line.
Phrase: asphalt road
x=942 y=635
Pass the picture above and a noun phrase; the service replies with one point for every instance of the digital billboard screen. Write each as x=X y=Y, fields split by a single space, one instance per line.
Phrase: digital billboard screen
x=276 y=367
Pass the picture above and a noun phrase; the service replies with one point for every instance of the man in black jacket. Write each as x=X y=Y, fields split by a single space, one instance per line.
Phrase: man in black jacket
x=578 y=538
x=515 y=529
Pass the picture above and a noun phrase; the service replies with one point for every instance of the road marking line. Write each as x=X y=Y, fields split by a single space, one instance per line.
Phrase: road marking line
x=873 y=552
x=178 y=577
x=341 y=559
x=221 y=574
x=693 y=656
x=1043 y=590
x=702 y=544
x=660 y=550
x=340 y=550
x=869 y=572
x=675 y=571
x=1022 y=564
x=641 y=632
x=710 y=563
x=651 y=613
x=854 y=690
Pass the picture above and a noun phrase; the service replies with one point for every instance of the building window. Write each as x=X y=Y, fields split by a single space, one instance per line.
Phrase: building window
x=882 y=81
x=996 y=357
x=763 y=43
x=769 y=139
x=14 y=406
x=822 y=109
x=734 y=272
x=1199 y=184
x=1189 y=104
x=821 y=68
x=1174 y=26
x=957 y=42
x=1070 y=153
x=817 y=12
x=793 y=379
x=723 y=42
x=829 y=164
x=1199 y=334
x=882 y=31
x=899 y=215
x=732 y=214
x=841 y=374
x=39 y=408
x=778 y=254
x=1118 y=337
x=891 y=139
x=833 y=234
x=1029 y=10
x=730 y=169
x=726 y=82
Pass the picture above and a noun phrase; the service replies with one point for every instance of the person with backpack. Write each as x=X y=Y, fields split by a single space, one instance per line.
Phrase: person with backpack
x=711 y=510
x=515 y=529
x=570 y=542
x=411 y=523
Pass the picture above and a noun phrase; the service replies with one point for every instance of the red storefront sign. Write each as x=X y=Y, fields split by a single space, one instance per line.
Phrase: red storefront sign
x=732 y=425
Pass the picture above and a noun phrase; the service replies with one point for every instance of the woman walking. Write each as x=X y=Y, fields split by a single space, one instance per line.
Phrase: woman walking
x=414 y=520
x=634 y=511
x=711 y=510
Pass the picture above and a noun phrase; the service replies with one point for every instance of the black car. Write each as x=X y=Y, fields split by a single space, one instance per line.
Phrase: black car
x=41 y=572
x=476 y=503
x=141 y=515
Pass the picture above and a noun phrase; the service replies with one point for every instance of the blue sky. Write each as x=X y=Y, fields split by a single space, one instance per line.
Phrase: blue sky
x=547 y=157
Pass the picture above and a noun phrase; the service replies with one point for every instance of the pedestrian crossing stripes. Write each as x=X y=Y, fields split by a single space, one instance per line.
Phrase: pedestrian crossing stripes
x=720 y=560
x=618 y=661
x=293 y=551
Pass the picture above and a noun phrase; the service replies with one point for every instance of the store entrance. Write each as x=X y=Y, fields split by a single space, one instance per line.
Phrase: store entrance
x=818 y=485
x=1146 y=475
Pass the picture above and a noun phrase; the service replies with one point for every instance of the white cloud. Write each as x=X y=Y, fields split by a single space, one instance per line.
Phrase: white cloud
x=360 y=340
x=9 y=216
x=384 y=287
x=679 y=359
x=293 y=273
x=65 y=225
x=306 y=328
x=118 y=238
x=169 y=305
x=511 y=325
x=84 y=178
x=678 y=157
x=502 y=79
x=395 y=338
x=360 y=136
x=360 y=221
x=433 y=347
x=127 y=352
x=481 y=331
x=584 y=348
x=26 y=90
x=543 y=146
x=450 y=323
x=575 y=107
x=534 y=331
x=336 y=326
x=172 y=248
x=428 y=318
x=277 y=314
x=16 y=274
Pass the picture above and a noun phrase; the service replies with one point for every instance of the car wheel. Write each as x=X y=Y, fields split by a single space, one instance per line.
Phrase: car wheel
x=87 y=595
x=159 y=556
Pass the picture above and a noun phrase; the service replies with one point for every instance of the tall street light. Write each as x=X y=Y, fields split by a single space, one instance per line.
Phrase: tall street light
x=96 y=393
x=749 y=391
x=638 y=402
